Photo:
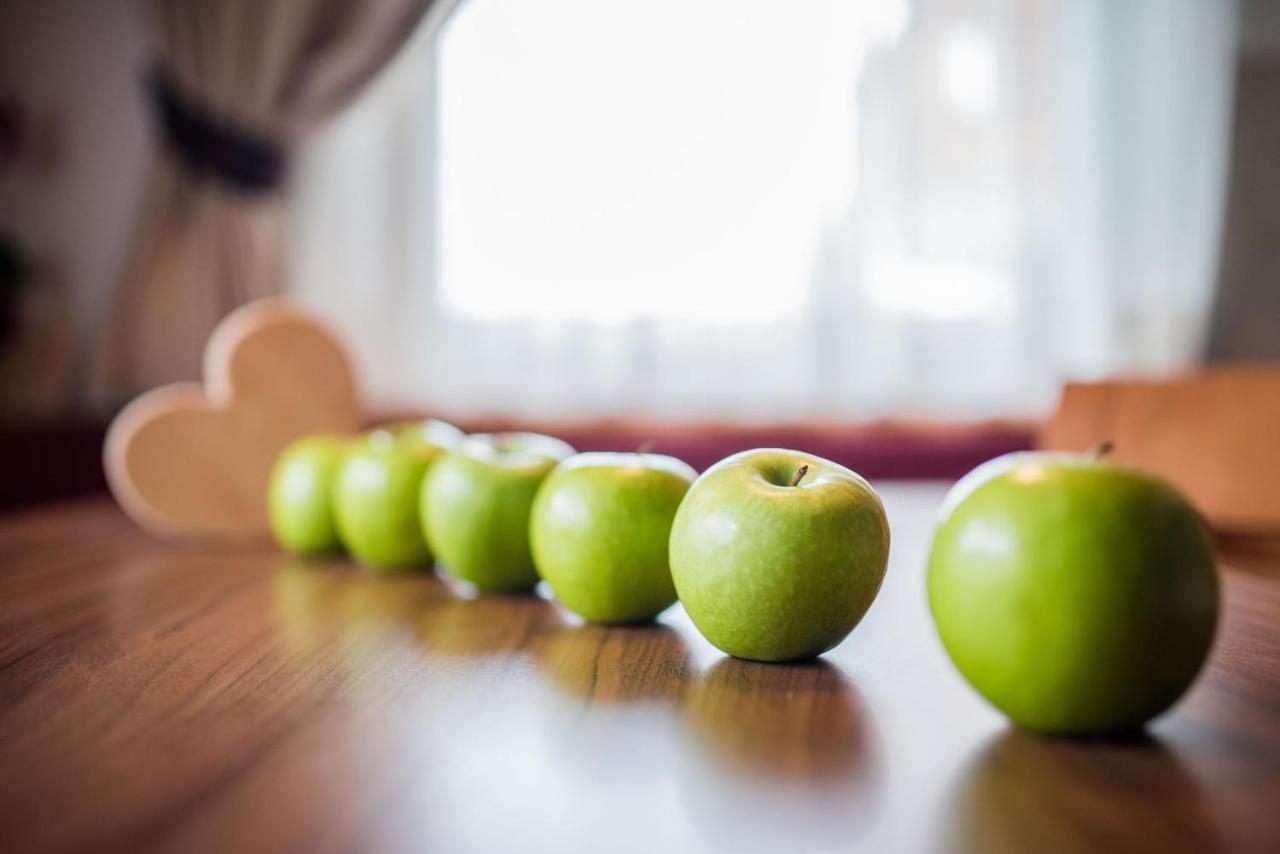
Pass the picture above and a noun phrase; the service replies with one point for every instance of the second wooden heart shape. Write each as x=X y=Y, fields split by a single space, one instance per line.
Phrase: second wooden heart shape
x=192 y=460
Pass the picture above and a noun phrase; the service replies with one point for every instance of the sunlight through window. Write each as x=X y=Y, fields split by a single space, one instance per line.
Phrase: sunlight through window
x=612 y=161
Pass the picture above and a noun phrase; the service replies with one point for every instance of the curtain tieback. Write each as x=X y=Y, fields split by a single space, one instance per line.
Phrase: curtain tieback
x=209 y=145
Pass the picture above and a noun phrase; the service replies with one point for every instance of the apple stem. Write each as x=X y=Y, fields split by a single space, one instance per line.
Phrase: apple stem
x=799 y=475
x=1100 y=450
x=645 y=447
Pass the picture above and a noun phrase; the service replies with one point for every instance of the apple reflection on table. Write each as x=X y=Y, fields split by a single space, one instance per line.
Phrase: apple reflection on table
x=592 y=664
x=1018 y=785
x=795 y=744
x=331 y=602
x=610 y=694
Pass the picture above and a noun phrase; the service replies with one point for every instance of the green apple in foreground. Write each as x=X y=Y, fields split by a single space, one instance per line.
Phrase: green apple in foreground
x=299 y=497
x=1077 y=596
x=475 y=506
x=376 y=493
x=599 y=533
x=777 y=554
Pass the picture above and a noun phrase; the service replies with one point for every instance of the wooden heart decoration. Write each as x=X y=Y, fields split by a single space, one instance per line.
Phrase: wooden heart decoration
x=192 y=460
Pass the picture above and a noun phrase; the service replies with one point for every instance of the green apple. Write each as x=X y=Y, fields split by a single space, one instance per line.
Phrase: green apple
x=599 y=532
x=299 y=497
x=475 y=506
x=376 y=493
x=1077 y=596
x=777 y=554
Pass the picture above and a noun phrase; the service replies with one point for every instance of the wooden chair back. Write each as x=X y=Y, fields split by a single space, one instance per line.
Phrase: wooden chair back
x=1215 y=434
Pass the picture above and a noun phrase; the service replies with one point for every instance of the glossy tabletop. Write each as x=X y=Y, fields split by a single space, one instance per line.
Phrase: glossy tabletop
x=160 y=698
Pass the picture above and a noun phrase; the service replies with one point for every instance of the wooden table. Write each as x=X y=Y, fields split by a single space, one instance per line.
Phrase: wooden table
x=153 y=698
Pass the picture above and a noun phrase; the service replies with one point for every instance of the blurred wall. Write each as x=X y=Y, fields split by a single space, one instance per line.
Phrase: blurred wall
x=69 y=70
x=1246 y=319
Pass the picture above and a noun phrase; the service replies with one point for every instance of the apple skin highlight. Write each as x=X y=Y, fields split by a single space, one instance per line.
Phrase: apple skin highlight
x=772 y=571
x=600 y=531
x=300 y=495
x=475 y=505
x=1078 y=597
x=376 y=494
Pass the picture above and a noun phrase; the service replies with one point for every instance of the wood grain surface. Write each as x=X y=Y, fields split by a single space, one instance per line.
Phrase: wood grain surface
x=158 y=699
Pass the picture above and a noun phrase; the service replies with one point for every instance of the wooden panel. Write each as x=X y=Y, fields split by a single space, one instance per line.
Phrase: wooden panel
x=1216 y=435
x=157 y=699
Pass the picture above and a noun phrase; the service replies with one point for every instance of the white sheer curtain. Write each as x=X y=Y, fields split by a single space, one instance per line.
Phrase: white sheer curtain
x=758 y=210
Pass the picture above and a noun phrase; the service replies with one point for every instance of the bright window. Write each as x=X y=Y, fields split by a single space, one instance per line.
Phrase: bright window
x=770 y=210
x=652 y=158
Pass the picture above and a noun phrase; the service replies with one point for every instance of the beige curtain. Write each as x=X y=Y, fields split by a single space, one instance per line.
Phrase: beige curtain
x=263 y=71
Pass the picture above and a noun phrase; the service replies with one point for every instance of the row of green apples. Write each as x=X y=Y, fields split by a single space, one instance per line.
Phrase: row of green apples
x=1075 y=595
